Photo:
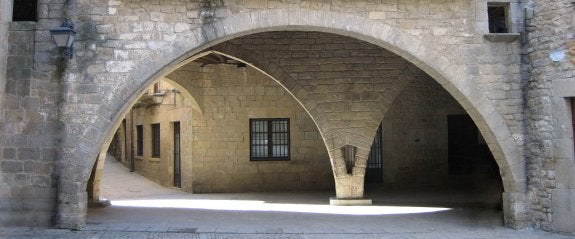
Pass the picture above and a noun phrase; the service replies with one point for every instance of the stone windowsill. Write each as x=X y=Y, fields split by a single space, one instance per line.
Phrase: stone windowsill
x=22 y=26
x=154 y=160
x=502 y=37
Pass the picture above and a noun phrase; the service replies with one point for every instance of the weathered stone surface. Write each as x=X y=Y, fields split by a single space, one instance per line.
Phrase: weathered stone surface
x=70 y=108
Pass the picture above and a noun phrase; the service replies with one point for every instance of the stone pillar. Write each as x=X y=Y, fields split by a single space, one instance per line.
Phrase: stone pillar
x=5 y=18
x=72 y=205
x=515 y=209
x=348 y=163
x=93 y=187
x=349 y=186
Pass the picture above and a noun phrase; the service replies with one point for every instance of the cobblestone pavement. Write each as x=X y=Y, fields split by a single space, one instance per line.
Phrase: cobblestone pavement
x=143 y=209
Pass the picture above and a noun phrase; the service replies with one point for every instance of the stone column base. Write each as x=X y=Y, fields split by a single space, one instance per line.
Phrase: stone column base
x=350 y=202
x=100 y=203
x=515 y=210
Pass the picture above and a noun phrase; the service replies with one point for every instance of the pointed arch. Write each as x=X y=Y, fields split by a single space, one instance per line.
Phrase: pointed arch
x=445 y=70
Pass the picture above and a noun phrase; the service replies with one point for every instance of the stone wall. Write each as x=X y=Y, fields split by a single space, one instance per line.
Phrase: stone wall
x=175 y=107
x=415 y=137
x=123 y=46
x=549 y=82
x=28 y=165
x=220 y=161
x=164 y=30
x=5 y=19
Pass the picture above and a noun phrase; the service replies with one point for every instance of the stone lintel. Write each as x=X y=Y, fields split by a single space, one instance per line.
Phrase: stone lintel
x=350 y=202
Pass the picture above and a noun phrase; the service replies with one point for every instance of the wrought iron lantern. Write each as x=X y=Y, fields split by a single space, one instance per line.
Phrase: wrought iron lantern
x=158 y=98
x=64 y=36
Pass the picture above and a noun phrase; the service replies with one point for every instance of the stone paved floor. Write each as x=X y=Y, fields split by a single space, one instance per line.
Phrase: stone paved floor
x=143 y=209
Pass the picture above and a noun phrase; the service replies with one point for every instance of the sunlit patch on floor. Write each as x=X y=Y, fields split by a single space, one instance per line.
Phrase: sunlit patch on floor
x=254 y=205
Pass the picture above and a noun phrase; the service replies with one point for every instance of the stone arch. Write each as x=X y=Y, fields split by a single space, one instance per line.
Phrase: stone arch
x=96 y=177
x=74 y=173
x=342 y=167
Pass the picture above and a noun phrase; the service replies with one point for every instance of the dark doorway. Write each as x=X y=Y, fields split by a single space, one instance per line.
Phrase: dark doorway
x=374 y=169
x=471 y=164
x=468 y=151
x=177 y=161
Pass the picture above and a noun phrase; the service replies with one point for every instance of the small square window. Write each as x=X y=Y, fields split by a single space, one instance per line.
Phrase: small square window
x=498 y=15
x=269 y=139
x=25 y=10
x=157 y=88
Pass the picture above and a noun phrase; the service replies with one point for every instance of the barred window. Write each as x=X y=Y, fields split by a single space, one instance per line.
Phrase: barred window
x=269 y=139
x=139 y=140
x=156 y=140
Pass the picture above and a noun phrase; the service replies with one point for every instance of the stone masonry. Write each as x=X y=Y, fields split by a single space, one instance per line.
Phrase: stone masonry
x=228 y=97
x=547 y=91
x=59 y=113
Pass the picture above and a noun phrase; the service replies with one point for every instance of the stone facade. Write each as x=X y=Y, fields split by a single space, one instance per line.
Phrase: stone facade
x=60 y=113
x=415 y=135
x=174 y=107
x=548 y=90
x=215 y=134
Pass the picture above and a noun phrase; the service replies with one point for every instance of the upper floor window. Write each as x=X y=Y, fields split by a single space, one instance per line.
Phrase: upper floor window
x=157 y=88
x=25 y=10
x=498 y=15
x=269 y=139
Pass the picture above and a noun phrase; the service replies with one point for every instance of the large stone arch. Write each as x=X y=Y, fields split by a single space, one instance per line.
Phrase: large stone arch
x=98 y=168
x=341 y=170
x=80 y=151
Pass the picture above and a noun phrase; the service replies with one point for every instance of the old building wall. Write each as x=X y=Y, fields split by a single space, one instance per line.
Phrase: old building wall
x=220 y=162
x=5 y=18
x=175 y=107
x=30 y=129
x=125 y=45
x=549 y=75
x=341 y=73
x=415 y=136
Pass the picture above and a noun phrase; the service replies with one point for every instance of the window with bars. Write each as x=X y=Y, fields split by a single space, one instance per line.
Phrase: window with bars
x=156 y=140
x=269 y=139
x=139 y=140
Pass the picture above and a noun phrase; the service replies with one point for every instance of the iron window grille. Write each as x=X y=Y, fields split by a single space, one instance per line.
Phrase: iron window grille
x=155 y=140
x=269 y=139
